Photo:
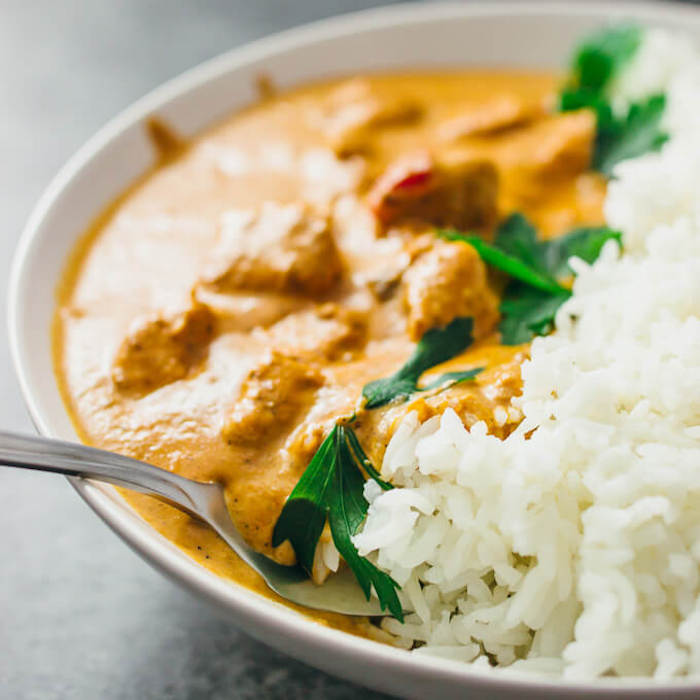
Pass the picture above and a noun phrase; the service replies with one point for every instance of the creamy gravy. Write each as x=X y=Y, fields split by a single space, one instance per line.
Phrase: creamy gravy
x=153 y=277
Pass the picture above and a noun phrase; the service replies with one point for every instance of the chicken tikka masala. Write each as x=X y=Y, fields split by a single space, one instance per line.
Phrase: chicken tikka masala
x=230 y=307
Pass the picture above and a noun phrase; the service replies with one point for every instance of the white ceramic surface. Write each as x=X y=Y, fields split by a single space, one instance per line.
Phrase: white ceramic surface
x=531 y=35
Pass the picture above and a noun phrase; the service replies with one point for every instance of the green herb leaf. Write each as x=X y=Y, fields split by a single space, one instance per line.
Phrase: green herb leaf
x=331 y=489
x=537 y=267
x=517 y=237
x=363 y=459
x=638 y=133
x=618 y=137
x=451 y=378
x=602 y=54
x=573 y=98
x=304 y=514
x=345 y=517
x=585 y=243
x=437 y=346
x=527 y=312
x=510 y=264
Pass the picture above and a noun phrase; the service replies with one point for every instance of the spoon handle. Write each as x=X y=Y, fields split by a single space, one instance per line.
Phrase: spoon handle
x=205 y=501
x=74 y=459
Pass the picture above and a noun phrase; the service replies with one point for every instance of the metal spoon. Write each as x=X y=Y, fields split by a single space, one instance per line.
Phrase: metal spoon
x=340 y=593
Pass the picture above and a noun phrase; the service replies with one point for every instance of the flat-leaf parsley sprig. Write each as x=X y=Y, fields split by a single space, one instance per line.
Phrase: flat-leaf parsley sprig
x=437 y=345
x=538 y=269
x=331 y=489
x=619 y=136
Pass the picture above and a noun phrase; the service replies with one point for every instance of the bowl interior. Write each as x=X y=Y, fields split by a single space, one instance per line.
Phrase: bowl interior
x=536 y=35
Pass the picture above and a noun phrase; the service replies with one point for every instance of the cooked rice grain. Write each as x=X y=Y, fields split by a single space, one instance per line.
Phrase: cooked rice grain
x=577 y=550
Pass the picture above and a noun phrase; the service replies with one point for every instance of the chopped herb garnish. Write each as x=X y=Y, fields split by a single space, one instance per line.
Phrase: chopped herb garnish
x=527 y=312
x=304 y=514
x=572 y=98
x=516 y=267
x=517 y=237
x=618 y=136
x=331 y=489
x=451 y=378
x=637 y=133
x=600 y=56
x=538 y=269
x=437 y=346
x=584 y=243
x=363 y=459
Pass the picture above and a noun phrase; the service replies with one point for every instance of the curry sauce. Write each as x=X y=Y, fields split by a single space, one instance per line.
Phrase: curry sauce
x=231 y=306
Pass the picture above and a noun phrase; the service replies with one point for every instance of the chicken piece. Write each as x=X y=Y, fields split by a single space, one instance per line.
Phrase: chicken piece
x=504 y=381
x=271 y=396
x=355 y=113
x=457 y=190
x=246 y=311
x=447 y=282
x=161 y=350
x=490 y=117
x=281 y=249
x=554 y=148
x=486 y=399
x=329 y=331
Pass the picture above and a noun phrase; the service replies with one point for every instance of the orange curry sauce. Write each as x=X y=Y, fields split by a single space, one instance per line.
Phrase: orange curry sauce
x=220 y=316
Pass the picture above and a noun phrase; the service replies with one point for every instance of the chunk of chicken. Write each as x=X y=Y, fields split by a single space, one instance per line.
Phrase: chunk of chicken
x=329 y=331
x=486 y=399
x=456 y=190
x=553 y=148
x=354 y=113
x=283 y=249
x=493 y=116
x=446 y=282
x=160 y=350
x=504 y=381
x=272 y=395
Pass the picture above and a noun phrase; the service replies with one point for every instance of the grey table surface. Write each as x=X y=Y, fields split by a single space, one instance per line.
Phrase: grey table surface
x=80 y=615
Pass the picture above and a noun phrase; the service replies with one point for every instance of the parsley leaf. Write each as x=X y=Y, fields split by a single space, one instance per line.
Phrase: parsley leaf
x=602 y=54
x=451 y=378
x=437 y=346
x=360 y=456
x=538 y=267
x=517 y=237
x=637 y=133
x=585 y=243
x=512 y=265
x=304 y=514
x=527 y=312
x=331 y=489
x=618 y=136
x=345 y=516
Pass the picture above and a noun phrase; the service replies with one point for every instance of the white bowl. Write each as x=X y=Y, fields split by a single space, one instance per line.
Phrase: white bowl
x=534 y=35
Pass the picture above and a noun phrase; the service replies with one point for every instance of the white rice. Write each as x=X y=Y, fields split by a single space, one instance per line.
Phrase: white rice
x=576 y=551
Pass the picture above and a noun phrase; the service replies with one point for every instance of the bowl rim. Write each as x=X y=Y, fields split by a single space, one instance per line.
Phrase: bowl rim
x=262 y=617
